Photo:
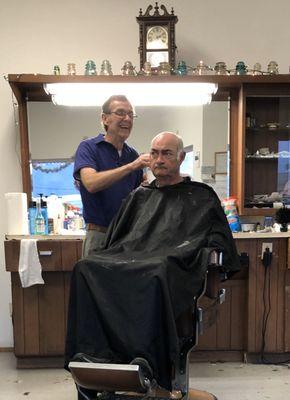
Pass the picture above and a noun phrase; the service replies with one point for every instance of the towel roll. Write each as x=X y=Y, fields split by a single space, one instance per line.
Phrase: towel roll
x=16 y=212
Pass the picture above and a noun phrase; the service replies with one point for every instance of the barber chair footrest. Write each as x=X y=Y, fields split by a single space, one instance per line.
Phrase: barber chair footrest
x=194 y=394
x=109 y=377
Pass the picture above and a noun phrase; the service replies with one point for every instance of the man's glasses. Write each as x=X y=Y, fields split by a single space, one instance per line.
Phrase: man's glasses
x=123 y=113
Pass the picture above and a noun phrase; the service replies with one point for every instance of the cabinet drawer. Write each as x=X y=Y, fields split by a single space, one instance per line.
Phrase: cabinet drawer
x=49 y=252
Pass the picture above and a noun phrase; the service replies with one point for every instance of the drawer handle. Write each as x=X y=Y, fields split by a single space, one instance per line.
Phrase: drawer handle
x=45 y=252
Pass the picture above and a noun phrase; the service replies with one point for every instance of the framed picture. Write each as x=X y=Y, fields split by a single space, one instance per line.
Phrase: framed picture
x=221 y=162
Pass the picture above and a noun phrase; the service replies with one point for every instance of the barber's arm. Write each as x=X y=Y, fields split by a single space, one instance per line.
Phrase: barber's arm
x=95 y=181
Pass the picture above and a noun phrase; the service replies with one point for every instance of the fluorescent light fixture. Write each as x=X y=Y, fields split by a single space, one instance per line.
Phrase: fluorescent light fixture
x=140 y=94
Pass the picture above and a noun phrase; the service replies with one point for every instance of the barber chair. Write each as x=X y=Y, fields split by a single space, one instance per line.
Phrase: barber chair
x=131 y=381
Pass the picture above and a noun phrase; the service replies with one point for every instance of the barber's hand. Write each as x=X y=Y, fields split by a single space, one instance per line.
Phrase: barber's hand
x=141 y=162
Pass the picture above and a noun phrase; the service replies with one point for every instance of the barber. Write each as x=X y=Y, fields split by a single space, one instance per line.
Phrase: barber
x=107 y=169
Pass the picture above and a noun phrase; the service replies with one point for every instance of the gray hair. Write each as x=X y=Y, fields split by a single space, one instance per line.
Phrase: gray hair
x=116 y=97
x=180 y=146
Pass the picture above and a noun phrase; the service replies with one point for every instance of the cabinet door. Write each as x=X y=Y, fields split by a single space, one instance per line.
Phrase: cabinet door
x=266 y=152
x=229 y=332
x=266 y=299
x=40 y=311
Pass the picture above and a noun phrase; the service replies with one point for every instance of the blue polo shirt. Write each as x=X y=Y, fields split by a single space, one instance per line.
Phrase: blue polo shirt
x=100 y=207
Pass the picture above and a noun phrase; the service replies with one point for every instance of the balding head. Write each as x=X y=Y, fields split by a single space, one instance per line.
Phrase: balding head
x=170 y=137
x=166 y=156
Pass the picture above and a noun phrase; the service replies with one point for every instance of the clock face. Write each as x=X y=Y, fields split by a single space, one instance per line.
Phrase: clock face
x=157 y=37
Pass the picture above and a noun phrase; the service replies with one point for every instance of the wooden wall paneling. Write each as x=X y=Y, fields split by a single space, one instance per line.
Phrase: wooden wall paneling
x=287 y=312
x=234 y=146
x=12 y=251
x=271 y=298
x=208 y=339
x=31 y=319
x=79 y=249
x=223 y=323
x=281 y=294
x=258 y=303
x=288 y=255
x=69 y=254
x=249 y=246
x=17 y=315
x=238 y=315
x=24 y=147
x=52 y=314
x=66 y=276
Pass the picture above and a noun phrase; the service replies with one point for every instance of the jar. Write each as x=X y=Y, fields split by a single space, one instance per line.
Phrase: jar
x=90 y=68
x=202 y=69
x=146 y=70
x=221 y=68
x=71 y=69
x=56 y=70
x=257 y=69
x=241 y=68
x=106 y=68
x=181 y=68
x=164 y=68
x=273 y=68
x=128 y=69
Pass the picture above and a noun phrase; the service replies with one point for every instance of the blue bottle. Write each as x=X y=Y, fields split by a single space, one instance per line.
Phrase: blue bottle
x=31 y=215
x=45 y=214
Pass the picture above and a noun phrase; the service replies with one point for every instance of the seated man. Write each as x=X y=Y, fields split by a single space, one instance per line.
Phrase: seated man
x=126 y=297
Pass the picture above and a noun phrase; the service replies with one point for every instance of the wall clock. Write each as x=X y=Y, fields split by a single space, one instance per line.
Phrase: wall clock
x=157 y=36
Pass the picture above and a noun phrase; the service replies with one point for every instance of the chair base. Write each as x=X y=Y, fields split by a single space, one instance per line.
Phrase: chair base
x=159 y=394
x=194 y=394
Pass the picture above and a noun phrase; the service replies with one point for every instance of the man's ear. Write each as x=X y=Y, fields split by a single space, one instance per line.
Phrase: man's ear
x=181 y=156
x=104 y=120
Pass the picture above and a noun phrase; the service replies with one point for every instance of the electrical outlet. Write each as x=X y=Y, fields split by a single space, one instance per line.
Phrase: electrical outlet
x=265 y=246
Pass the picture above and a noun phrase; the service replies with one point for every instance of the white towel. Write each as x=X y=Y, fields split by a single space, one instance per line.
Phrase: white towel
x=29 y=265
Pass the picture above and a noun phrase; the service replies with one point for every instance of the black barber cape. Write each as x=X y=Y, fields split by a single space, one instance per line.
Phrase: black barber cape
x=125 y=298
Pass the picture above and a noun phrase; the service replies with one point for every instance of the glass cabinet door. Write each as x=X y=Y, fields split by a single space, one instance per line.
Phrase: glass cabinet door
x=267 y=151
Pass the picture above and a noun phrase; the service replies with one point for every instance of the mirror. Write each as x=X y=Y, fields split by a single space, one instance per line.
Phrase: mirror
x=56 y=131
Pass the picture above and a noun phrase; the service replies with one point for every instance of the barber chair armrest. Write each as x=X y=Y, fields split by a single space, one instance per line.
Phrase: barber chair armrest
x=215 y=274
x=215 y=258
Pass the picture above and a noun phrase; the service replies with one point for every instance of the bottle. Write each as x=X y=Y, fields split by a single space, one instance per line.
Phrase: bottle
x=31 y=213
x=43 y=205
x=39 y=228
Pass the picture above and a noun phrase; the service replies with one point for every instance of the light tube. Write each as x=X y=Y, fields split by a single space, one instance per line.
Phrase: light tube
x=139 y=94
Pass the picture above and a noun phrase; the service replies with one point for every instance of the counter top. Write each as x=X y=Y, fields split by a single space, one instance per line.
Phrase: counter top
x=261 y=235
x=46 y=237
x=236 y=235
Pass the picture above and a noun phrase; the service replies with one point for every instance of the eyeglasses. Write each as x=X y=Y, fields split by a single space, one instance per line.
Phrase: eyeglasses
x=123 y=113
x=168 y=154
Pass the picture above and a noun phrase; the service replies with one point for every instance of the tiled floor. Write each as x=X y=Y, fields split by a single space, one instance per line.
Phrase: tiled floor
x=228 y=381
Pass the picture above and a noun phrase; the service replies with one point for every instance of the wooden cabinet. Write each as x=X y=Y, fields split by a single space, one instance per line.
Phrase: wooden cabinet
x=256 y=309
x=267 y=150
x=268 y=299
x=40 y=311
x=255 y=298
x=260 y=146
